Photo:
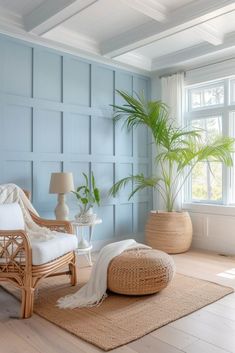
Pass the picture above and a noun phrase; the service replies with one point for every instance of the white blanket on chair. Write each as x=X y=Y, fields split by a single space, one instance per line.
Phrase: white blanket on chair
x=10 y=193
x=94 y=291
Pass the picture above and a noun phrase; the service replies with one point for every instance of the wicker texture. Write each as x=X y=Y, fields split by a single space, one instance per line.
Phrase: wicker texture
x=16 y=262
x=169 y=231
x=140 y=272
x=120 y=318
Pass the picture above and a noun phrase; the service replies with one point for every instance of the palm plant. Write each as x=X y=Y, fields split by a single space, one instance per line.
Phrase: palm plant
x=178 y=149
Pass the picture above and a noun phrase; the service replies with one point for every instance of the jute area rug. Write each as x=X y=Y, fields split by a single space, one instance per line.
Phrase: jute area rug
x=121 y=319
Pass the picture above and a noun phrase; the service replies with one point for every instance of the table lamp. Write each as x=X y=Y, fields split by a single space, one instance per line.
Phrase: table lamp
x=60 y=184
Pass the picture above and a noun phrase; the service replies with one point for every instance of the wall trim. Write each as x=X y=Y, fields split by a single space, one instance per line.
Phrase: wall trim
x=20 y=34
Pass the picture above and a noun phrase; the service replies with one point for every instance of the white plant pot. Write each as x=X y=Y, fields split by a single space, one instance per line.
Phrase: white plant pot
x=87 y=217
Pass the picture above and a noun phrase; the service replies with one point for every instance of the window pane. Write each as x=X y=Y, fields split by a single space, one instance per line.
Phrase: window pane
x=206 y=96
x=207 y=182
x=199 y=188
x=207 y=177
x=211 y=127
x=232 y=91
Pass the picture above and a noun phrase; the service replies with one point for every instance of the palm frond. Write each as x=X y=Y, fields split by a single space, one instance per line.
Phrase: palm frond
x=139 y=181
x=219 y=150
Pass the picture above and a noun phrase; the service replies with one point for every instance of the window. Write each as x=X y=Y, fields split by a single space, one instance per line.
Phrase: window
x=211 y=95
x=211 y=107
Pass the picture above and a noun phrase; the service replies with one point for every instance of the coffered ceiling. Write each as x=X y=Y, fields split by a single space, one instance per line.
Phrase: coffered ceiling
x=147 y=34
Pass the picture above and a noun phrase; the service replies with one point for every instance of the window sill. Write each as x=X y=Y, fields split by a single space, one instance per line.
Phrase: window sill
x=209 y=208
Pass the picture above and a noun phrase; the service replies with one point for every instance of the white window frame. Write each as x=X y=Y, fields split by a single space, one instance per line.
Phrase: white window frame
x=205 y=85
x=228 y=127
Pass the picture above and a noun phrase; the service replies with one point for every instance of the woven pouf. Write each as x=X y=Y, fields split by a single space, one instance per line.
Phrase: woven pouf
x=140 y=272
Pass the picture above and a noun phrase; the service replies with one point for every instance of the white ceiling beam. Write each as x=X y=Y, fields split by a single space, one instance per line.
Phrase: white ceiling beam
x=194 y=53
x=53 y=12
x=209 y=34
x=188 y=16
x=150 y=8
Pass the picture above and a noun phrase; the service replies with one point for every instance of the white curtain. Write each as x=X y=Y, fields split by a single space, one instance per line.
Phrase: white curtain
x=172 y=94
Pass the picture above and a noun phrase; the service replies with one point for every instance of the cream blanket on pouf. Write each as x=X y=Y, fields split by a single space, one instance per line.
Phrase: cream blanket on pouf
x=94 y=291
x=10 y=193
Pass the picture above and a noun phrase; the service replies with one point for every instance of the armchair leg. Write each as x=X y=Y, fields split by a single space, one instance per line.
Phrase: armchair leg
x=27 y=302
x=73 y=270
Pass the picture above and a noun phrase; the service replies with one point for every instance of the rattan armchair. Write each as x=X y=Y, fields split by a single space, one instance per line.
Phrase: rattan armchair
x=16 y=262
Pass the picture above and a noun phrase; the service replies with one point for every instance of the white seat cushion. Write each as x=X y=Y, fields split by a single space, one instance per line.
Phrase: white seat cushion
x=49 y=250
x=11 y=216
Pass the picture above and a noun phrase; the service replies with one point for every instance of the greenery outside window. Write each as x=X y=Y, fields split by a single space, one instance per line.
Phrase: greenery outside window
x=211 y=107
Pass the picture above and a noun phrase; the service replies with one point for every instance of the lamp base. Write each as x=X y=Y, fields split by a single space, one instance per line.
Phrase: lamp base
x=61 y=210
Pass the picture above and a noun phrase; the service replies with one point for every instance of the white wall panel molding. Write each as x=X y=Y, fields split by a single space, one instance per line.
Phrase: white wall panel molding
x=58 y=117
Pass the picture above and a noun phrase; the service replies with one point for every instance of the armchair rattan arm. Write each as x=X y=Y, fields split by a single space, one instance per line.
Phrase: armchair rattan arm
x=59 y=226
x=15 y=256
x=16 y=265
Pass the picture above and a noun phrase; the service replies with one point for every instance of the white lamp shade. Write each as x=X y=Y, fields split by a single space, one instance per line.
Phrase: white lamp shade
x=61 y=183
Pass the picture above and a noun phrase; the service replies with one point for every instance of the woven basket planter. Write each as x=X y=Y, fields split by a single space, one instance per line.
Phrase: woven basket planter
x=169 y=231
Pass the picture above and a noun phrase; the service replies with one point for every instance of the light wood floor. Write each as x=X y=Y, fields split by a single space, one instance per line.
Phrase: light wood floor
x=209 y=330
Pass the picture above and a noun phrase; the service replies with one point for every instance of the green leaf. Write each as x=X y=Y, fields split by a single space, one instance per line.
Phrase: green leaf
x=140 y=182
x=84 y=200
x=76 y=194
x=86 y=179
x=93 y=180
x=80 y=188
x=86 y=195
x=97 y=196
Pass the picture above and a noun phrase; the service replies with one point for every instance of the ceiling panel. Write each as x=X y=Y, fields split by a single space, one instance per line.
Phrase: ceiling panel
x=20 y=7
x=105 y=19
x=170 y=44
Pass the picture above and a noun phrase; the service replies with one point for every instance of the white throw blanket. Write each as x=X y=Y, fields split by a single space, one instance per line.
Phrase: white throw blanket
x=94 y=291
x=10 y=193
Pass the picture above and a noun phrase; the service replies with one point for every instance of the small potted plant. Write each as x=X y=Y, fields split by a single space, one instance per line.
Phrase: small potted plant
x=87 y=197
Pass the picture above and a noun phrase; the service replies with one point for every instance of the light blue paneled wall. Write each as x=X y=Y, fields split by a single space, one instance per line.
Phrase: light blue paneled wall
x=55 y=115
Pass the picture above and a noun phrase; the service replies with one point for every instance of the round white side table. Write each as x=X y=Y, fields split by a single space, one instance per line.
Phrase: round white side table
x=84 y=246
